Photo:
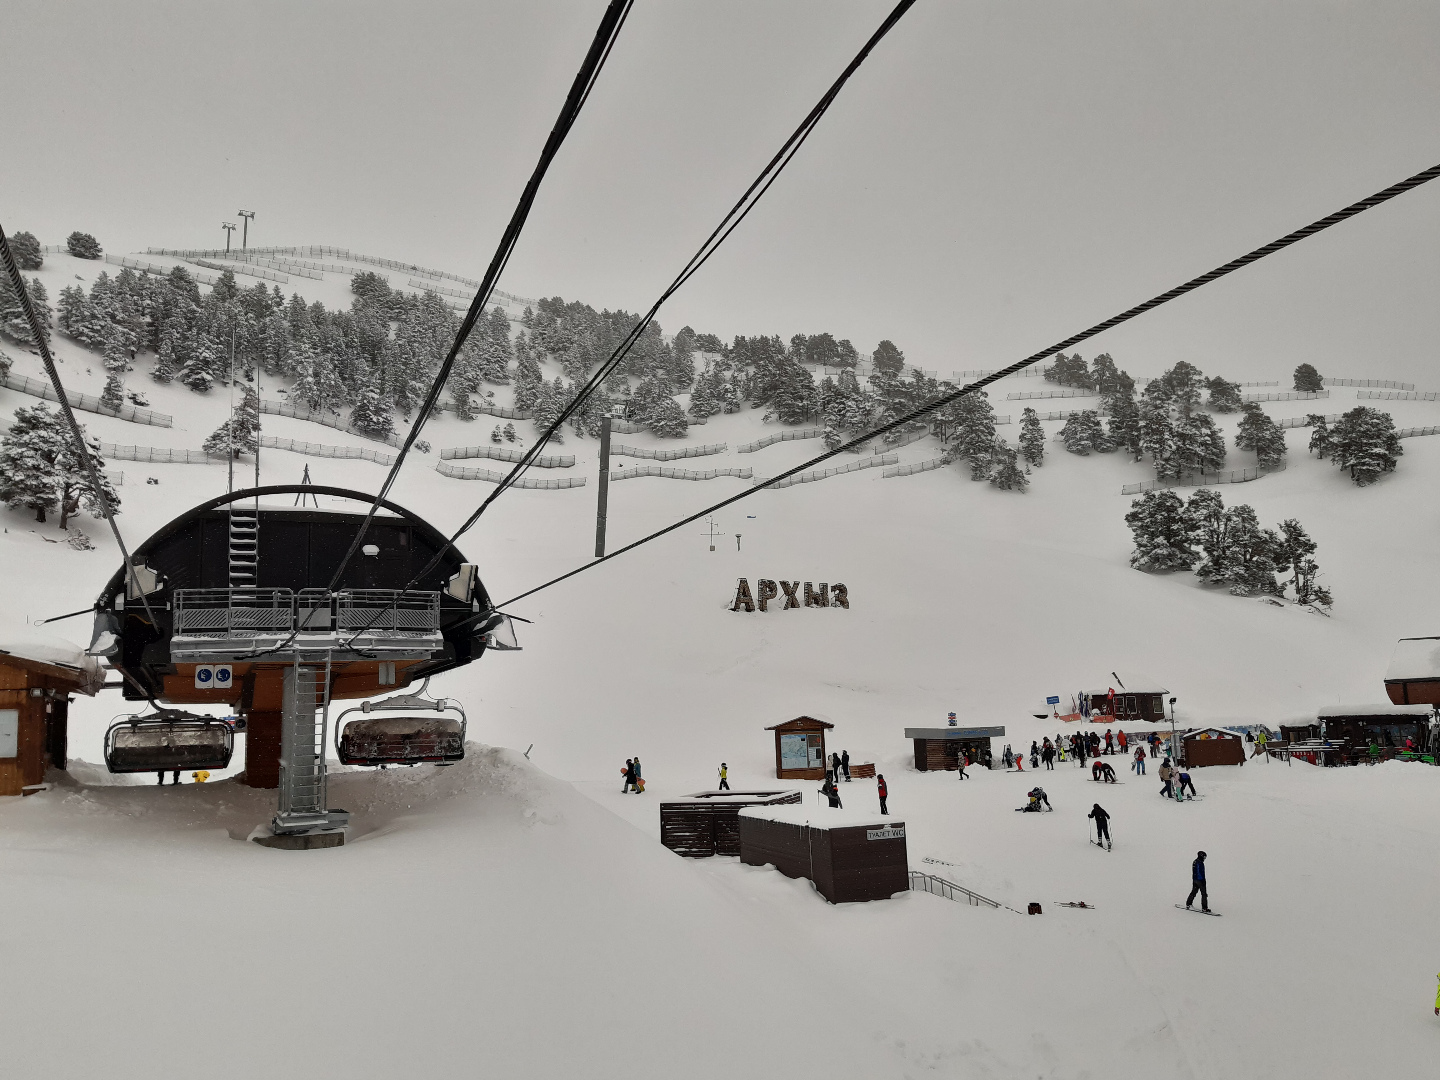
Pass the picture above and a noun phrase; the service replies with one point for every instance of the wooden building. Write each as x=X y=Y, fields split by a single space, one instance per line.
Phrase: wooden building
x=36 y=681
x=1144 y=701
x=1213 y=746
x=1353 y=726
x=1413 y=677
x=941 y=748
x=708 y=822
x=800 y=748
x=850 y=856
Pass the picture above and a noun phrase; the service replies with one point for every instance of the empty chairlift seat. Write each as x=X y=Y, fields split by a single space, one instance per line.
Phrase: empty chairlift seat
x=168 y=741
x=394 y=738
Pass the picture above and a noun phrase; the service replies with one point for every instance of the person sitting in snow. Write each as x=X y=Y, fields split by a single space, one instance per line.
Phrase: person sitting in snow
x=1038 y=801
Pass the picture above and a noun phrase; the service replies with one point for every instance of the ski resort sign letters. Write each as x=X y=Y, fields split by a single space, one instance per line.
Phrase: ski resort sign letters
x=825 y=595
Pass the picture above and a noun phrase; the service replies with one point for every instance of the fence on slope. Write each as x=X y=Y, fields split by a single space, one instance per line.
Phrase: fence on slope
x=825 y=474
x=459 y=472
x=679 y=474
x=158 y=270
x=917 y=467
x=1031 y=395
x=1304 y=395
x=1234 y=476
x=330 y=420
x=1411 y=395
x=790 y=435
x=85 y=402
x=619 y=450
x=1381 y=384
x=243 y=268
x=500 y=453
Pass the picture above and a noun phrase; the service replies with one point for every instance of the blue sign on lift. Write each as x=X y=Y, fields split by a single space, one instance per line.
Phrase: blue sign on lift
x=1052 y=701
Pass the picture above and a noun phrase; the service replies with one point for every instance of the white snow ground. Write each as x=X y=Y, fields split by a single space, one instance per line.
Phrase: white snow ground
x=491 y=919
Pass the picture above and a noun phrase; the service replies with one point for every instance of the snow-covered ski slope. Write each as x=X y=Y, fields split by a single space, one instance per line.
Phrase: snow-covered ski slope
x=564 y=940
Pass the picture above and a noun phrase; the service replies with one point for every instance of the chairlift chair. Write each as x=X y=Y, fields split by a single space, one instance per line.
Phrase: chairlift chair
x=402 y=739
x=166 y=740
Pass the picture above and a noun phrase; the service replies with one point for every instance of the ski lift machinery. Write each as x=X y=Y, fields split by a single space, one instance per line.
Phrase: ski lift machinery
x=168 y=739
x=398 y=736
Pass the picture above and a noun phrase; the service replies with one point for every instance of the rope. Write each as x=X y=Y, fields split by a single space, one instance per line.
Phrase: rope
x=37 y=331
x=938 y=403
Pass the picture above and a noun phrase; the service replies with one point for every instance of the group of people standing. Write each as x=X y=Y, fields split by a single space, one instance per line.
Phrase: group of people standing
x=633 y=780
x=1079 y=747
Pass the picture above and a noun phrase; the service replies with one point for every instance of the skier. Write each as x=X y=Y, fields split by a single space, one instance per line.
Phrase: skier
x=1185 y=783
x=845 y=764
x=629 y=773
x=1154 y=744
x=1109 y=742
x=1102 y=825
x=1049 y=755
x=724 y=777
x=1167 y=776
x=1139 y=765
x=1009 y=756
x=1034 y=754
x=1124 y=743
x=1261 y=738
x=1080 y=749
x=1038 y=798
x=1197 y=883
x=882 y=791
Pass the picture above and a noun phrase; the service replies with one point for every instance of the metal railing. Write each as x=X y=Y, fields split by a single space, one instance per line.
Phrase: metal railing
x=920 y=882
x=248 y=612
x=386 y=609
x=234 y=612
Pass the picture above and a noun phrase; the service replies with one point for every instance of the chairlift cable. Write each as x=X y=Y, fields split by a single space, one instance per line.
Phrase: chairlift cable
x=37 y=331
x=945 y=399
x=737 y=213
x=610 y=25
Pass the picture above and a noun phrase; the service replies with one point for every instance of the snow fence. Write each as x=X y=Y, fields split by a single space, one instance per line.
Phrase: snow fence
x=679 y=474
x=669 y=455
x=243 y=268
x=1413 y=432
x=84 y=402
x=160 y=271
x=430 y=286
x=499 y=453
x=1411 y=395
x=1381 y=384
x=918 y=467
x=1031 y=395
x=315 y=449
x=825 y=474
x=1306 y=395
x=330 y=420
x=781 y=436
x=161 y=454
x=1235 y=476
x=460 y=472
x=1304 y=421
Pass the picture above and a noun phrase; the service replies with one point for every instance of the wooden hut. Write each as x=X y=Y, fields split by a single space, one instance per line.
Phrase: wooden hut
x=942 y=748
x=850 y=856
x=800 y=748
x=1413 y=677
x=1142 y=701
x=1213 y=746
x=708 y=822
x=1353 y=726
x=37 y=676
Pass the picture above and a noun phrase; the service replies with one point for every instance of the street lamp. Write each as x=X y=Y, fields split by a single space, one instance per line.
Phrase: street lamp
x=229 y=228
x=249 y=216
x=1174 y=746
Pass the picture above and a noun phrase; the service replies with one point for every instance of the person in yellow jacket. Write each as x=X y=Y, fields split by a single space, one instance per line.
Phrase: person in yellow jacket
x=724 y=777
x=1437 y=998
x=201 y=776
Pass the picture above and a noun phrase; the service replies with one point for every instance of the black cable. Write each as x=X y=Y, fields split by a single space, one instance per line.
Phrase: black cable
x=728 y=224
x=600 y=46
x=43 y=344
x=945 y=399
x=57 y=618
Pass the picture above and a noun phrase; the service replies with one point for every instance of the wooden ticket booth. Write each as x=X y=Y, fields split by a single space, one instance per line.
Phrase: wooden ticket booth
x=36 y=682
x=800 y=748
x=938 y=749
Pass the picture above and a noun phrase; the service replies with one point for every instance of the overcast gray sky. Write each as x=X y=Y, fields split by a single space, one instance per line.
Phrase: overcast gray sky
x=997 y=175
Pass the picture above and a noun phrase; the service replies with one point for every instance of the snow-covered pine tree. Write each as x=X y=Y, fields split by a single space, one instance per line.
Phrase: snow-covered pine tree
x=1319 y=435
x=509 y=433
x=1308 y=380
x=1365 y=442
x=28 y=453
x=1224 y=396
x=1184 y=384
x=1032 y=438
x=1109 y=380
x=1083 y=433
x=13 y=323
x=529 y=378
x=83 y=246
x=888 y=360
x=1247 y=560
x=1199 y=444
x=114 y=394
x=667 y=419
x=371 y=414
x=1259 y=433
x=27 y=251
x=974 y=439
x=167 y=363
x=1124 y=422
x=73 y=478
x=1297 y=554
x=115 y=355
x=704 y=395
x=1006 y=472
x=495 y=436
x=1164 y=540
x=70 y=307
x=795 y=398
x=239 y=434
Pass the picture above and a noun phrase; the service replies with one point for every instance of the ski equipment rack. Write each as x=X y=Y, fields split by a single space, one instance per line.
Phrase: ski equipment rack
x=406 y=739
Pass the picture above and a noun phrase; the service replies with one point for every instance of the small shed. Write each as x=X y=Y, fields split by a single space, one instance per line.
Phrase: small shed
x=38 y=673
x=940 y=748
x=1137 y=701
x=800 y=748
x=850 y=856
x=707 y=822
x=1213 y=746
x=1413 y=677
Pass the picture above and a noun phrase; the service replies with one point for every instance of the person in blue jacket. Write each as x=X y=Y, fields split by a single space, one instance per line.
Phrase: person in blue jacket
x=1197 y=883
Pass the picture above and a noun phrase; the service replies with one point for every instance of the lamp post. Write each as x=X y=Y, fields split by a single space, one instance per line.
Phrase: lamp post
x=1174 y=746
x=249 y=216
x=229 y=228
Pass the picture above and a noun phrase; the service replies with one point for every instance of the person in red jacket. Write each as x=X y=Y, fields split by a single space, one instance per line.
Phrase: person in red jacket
x=882 y=791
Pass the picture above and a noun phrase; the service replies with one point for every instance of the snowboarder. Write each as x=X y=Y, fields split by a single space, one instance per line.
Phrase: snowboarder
x=1197 y=883
x=845 y=764
x=639 y=781
x=724 y=777
x=1139 y=765
x=1102 y=825
x=629 y=773
x=1185 y=783
x=1101 y=770
x=1261 y=738
x=1049 y=755
x=882 y=791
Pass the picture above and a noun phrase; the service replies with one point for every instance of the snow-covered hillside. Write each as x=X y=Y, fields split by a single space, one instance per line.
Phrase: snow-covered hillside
x=546 y=935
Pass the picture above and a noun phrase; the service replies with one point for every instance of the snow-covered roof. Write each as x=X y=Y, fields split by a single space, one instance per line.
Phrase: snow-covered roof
x=1375 y=710
x=34 y=647
x=1414 y=658
x=820 y=817
x=1220 y=730
x=728 y=797
x=1134 y=682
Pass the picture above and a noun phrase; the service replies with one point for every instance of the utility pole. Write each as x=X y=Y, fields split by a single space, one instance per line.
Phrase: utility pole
x=603 y=505
x=229 y=228
x=249 y=216
x=713 y=530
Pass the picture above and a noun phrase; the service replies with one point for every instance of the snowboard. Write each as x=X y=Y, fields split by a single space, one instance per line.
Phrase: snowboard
x=1197 y=911
x=1094 y=781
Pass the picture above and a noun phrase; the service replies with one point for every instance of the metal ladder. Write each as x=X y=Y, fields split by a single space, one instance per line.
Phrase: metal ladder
x=244 y=546
x=306 y=715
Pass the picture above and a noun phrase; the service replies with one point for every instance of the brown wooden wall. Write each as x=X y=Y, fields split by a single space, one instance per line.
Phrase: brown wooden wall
x=698 y=832
x=1202 y=752
x=844 y=864
x=42 y=728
